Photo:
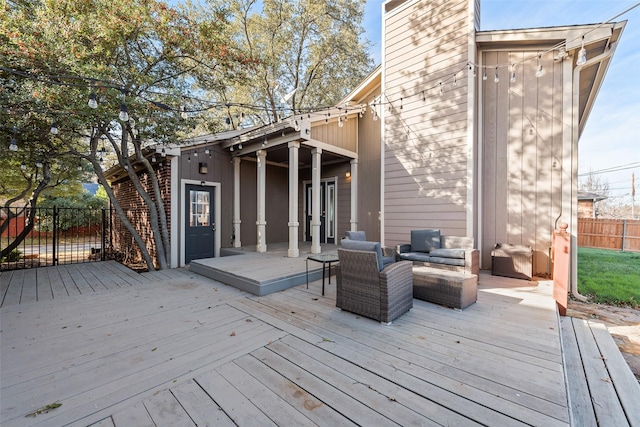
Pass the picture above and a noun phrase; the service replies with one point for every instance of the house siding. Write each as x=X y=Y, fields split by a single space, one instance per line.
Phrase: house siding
x=426 y=134
x=522 y=153
x=331 y=133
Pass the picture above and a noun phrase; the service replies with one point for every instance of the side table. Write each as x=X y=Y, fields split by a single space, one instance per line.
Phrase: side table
x=326 y=260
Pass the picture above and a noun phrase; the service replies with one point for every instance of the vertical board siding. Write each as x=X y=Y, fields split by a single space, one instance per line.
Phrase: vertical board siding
x=332 y=134
x=425 y=133
x=522 y=138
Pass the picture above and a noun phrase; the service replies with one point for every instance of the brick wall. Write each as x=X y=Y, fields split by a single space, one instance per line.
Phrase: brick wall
x=138 y=213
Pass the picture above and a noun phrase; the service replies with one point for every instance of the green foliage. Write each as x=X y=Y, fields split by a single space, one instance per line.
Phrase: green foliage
x=14 y=256
x=82 y=209
x=610 y=277
x=314 y=46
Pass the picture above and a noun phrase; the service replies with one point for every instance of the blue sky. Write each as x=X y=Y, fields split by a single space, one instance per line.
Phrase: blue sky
x=611 y=137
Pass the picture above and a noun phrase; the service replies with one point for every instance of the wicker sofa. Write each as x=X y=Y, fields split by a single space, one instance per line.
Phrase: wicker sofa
x=367 y=288
x=430 y=249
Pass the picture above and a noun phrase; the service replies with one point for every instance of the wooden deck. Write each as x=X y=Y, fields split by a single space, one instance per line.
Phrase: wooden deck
x=173 y=348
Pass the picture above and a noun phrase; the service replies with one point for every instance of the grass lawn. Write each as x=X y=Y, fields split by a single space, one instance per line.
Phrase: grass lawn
x=609 y=277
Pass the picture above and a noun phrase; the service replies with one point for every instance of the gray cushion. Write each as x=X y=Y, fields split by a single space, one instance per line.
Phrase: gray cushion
x=360 y=245
x=447 y=253
x=356 y=235
x=386 y=260
x=447 y=261
x=415 y=256
x=425 y=240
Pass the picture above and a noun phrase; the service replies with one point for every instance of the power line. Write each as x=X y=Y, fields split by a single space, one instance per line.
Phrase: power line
x=612 y=169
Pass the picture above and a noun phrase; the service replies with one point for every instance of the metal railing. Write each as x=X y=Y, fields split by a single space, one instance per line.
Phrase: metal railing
x=56 y=236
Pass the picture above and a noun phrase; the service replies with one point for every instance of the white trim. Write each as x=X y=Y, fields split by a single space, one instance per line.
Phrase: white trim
x=217 y=216
x=383 y=80
x=472 y=53
x=174 y=209
x=306 y=182
x=480 y=161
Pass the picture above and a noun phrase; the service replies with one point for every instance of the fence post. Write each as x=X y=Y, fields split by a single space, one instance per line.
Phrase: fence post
x=55 y=235
x=624 y=233
x=103 y=233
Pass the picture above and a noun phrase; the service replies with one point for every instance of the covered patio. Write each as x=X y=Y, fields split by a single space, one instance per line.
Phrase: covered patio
x=174 y=348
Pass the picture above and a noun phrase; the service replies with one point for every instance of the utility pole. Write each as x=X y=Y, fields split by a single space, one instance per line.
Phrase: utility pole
x=633 y=195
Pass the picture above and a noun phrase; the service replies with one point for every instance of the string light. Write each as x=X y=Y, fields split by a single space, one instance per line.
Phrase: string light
x=13 y=144
x=539 y=71
x=513 y=73
x=38 y=163
x=582 y=54
x=496 y=79
x=124 y=113
x=23 y=166
x=93 y=102
x=54 y=128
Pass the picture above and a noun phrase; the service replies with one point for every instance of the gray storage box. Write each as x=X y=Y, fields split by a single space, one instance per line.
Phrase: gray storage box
x=512 y=261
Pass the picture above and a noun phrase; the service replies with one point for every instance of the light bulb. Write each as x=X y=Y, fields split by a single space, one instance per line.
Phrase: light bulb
x=375 y=116
x=340 y=123
x=539 y=71
x=240 y=146
x=93 y=102
x=79 y=166
x=297 y=126
x=484 y=76
x=153 y=159
x=582 y=56
x=231 y=149
x=496 y=78
x=54 y=128
x=163 y=153
x=124 y=113
x=38 y=164
x=195 y=154
x=23 y=166
x=513 y=78
x=13 y=145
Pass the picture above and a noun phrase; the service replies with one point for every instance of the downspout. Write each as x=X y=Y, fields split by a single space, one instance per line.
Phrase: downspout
x=573 y=288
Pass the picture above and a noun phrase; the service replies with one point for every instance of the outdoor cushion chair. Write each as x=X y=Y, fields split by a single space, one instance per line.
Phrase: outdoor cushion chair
x=430 y=249
x=366 y=289
x=388 y=254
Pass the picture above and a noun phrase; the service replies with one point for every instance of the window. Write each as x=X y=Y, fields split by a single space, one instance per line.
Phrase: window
x=198 y=208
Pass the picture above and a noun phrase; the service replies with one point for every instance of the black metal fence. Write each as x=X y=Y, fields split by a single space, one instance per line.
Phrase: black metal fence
x=52 y=236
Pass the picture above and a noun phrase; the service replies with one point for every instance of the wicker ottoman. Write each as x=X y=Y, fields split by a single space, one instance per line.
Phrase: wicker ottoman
x=513 y=261
x=450 y=288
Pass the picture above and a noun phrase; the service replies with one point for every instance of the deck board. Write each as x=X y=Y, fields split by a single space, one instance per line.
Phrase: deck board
x=174 y=348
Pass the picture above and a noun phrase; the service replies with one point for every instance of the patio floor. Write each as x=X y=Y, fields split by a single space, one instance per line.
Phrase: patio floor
x=174 y=348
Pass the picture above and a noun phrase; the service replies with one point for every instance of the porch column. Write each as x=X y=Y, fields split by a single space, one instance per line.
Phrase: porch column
x=354 y=195
x=315 y=203
x=236 y=203
x=294 y=225
x=261 y=223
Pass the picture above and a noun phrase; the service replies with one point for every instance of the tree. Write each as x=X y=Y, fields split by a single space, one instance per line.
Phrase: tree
x=139 y=56
x=609 y=207
x=310 y=50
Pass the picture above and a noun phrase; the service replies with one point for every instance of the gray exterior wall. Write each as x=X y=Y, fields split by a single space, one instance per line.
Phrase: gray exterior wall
x=369 y=176
x=219 y=169
x=426 y=140
x=522 y=154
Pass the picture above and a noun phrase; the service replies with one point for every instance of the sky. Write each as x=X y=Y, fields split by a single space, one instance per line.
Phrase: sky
x=611 y=138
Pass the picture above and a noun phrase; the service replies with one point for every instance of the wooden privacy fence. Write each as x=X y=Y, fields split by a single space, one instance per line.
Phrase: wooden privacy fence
x=619 y=234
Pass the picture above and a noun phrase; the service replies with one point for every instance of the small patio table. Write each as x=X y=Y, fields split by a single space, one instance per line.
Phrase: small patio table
x=325 y=259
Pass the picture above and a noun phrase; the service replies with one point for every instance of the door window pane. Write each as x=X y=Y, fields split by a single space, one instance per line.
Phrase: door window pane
x=198 y=208
x=331 y=210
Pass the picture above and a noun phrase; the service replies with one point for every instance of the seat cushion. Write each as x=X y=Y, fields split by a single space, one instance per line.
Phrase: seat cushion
x=447 y=253
x=425 y=240
x=386 y=260
x=363 y=245
x=447 y=261
x=415 y=256
x=356 y=235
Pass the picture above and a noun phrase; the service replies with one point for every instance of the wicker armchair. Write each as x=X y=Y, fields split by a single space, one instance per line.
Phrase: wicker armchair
x=365 y=290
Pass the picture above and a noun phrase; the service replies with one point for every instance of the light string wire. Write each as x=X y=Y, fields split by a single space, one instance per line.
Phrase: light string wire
x=93 y=83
